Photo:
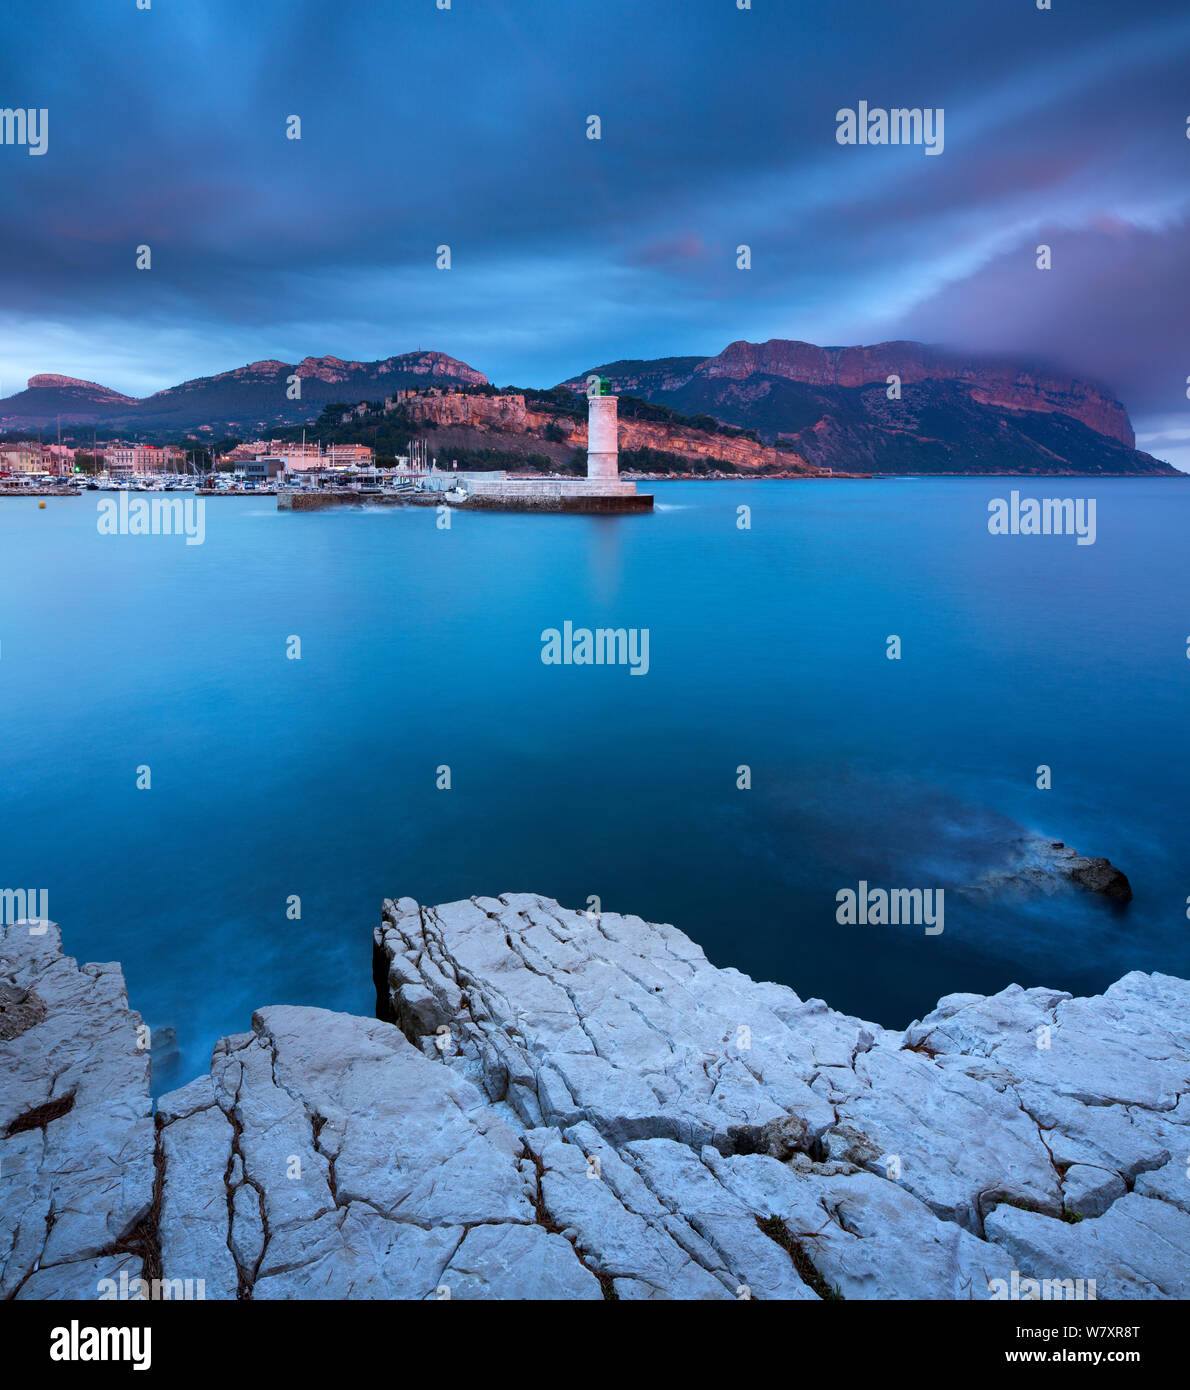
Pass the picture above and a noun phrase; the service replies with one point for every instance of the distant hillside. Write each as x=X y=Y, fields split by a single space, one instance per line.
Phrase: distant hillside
x=819 y=408
x=653 y=437
x=955 y=414
x=47 y=397
x=480 y=427
x=647 y=378
x=245 y=400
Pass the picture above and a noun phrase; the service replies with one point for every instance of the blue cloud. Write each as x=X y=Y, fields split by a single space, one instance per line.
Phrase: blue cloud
x=467 y=127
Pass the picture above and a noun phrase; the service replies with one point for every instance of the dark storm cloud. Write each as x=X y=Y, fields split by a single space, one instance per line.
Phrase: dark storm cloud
x=467 y=127
x=1131 y=332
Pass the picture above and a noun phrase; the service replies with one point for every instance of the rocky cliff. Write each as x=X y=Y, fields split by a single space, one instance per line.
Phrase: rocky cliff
x=509 y=414
x=1003 y=384
x=561 y=1106
x=955 y=413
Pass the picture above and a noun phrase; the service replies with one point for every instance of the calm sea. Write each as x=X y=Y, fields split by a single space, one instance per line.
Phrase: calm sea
x=421 y=648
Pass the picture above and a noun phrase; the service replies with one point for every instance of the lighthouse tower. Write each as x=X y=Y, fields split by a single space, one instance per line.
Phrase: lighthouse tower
x=603 y=436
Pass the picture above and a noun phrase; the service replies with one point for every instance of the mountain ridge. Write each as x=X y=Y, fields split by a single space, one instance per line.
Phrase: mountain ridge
x=1001 y=381
x=955 y=413
x=251 y=396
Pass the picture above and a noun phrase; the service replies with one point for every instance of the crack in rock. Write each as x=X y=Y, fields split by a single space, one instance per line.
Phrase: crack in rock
x=554 y=1104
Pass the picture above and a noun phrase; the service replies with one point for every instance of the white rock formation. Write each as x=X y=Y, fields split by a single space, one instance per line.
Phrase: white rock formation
x=584 y=1108
x=885 y=1155
x=76 y=1126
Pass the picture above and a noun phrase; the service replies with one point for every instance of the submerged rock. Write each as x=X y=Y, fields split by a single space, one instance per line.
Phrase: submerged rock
x=558 y=1105
x=1100 y=876
x=1048 y=865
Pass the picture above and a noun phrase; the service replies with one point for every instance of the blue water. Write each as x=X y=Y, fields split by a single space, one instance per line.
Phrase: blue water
x=421 y=647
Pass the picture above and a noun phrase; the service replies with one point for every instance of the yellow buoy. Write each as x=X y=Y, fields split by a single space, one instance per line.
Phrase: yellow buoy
x=41 y=506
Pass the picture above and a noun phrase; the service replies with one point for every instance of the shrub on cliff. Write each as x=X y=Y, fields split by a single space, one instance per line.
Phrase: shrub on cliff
x=660 y=461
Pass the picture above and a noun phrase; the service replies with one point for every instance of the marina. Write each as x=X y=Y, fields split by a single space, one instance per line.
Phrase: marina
x=419 y=483
x=300 y=486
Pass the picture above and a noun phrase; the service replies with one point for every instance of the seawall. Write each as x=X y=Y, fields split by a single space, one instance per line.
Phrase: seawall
x=512 y=495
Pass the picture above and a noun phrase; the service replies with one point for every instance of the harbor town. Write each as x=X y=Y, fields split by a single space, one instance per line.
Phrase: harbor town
x=308 y=476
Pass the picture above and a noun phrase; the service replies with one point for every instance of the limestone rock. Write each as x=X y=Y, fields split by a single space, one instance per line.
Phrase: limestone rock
x=555 y=1105
x=1139 y=1248
x=621 y=1031
x=334 y=1159
x=76 y=1131
x=1090 y=1191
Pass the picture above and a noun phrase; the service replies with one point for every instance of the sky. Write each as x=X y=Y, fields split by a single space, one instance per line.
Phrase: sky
x=467 y=127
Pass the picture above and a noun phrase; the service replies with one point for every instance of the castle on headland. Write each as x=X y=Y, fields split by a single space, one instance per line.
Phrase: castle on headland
x=602 y=490
x=515 y=414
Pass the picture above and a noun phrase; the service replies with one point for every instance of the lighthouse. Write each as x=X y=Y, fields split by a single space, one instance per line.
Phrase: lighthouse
x=603 y=443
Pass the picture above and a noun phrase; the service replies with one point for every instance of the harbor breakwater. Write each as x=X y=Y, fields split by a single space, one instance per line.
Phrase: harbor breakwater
x=561 y=1105
x=495 y=494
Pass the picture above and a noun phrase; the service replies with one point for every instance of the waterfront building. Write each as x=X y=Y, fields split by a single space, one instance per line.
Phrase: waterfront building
x=24 y=458
x=123 y=460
